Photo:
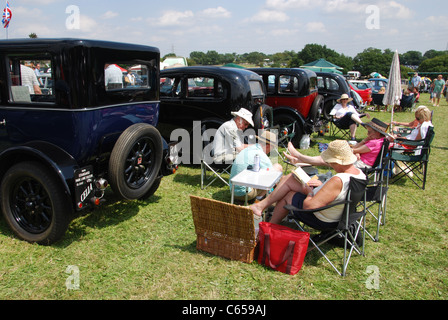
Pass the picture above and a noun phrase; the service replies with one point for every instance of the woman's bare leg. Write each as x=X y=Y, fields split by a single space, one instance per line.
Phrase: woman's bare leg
x=286 y=185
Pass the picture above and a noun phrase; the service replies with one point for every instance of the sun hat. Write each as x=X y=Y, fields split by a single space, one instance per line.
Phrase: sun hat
x=378 y=125
x=245 y=114
x=267 y=137
x=344 y=96
x=339 y=152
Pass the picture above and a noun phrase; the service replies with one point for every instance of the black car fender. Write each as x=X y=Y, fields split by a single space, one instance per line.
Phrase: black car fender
x=59 y=161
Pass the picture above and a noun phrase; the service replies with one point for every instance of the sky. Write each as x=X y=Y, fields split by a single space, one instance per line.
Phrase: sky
x=269 y=26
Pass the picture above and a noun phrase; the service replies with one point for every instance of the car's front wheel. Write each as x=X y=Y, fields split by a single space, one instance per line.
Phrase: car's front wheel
x=34 y=203
x=135 y=161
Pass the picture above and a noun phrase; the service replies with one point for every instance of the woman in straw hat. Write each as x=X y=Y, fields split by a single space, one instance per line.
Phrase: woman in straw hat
x=346 y=116
x=315 y=194
x=366 y=151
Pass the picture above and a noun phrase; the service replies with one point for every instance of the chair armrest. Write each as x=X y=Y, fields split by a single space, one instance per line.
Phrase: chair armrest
x=290 y=207
x=410 y=142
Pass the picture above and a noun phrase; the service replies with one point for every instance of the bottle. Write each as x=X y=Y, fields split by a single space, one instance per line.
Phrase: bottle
x=305 y=142
x=256 y=163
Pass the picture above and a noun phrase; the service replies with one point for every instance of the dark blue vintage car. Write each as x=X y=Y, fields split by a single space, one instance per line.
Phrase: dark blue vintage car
x=60 y=150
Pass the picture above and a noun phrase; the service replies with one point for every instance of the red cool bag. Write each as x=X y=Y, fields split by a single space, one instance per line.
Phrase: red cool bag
x=281 y=248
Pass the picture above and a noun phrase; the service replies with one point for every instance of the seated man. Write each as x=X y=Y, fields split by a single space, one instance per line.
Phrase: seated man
x=229 y=140
x=267 y=141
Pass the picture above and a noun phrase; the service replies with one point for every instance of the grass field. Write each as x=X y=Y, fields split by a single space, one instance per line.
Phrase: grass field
x=147 y=249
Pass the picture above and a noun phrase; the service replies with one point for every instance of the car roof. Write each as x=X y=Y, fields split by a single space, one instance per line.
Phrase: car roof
x=292 y=71
x=226 y=72
x=14 y=44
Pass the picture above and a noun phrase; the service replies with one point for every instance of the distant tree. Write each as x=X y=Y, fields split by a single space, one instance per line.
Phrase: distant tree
x=312 y=52
x=411 y=58
x=433 y=53
x=373 y=60
x=32 y=35
x=437 y=64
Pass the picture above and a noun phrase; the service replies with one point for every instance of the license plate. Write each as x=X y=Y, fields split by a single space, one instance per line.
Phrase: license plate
x=83 y=186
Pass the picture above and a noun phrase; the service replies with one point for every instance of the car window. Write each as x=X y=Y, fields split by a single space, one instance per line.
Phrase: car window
x=320 y=83
x=31 y=80
x=204 y=87
x=125 y=76
x=288 y=84
x=256 y=88
x=271 y=84
x=331 y=84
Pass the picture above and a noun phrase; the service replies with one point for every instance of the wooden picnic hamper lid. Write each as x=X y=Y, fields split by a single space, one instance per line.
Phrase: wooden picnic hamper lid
x=224 y=229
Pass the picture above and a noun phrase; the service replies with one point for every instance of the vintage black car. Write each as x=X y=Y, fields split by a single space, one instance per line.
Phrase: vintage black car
x=209 y=95
x=59 y=151
x=293 y=95
x=331 y=86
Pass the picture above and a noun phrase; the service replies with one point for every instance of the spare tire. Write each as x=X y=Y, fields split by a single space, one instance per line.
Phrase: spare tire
x=135 y=161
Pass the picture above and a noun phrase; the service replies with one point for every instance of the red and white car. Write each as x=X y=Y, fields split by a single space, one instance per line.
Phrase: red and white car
x=363 y=88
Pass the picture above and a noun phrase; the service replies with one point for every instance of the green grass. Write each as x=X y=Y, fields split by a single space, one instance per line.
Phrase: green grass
x=147 y=249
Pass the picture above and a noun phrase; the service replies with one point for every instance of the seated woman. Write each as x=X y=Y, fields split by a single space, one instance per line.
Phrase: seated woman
x=346 y=116
x=423 y=119
x=366 y=151
x=315 y=194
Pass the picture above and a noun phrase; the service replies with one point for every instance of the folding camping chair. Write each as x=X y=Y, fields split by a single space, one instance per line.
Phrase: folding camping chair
x=218 y=170
x=412 y=163
x=348 y=229
x=335 y=130
x=375 y=202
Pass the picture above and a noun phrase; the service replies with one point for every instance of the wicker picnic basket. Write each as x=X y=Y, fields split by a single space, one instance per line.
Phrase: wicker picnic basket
x=224 y=229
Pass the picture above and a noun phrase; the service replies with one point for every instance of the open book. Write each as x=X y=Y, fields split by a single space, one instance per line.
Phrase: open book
x=302 y=176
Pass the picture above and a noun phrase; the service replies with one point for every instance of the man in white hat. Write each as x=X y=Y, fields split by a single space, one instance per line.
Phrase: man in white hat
x=229 y=139
x=267 y=141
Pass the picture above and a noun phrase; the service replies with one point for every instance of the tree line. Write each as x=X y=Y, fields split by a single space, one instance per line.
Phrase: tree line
x=366 y=62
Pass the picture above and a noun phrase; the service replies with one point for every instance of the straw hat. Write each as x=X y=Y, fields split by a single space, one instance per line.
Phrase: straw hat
x=245 y=114
x=339 y=152
x=344 y=96
x=378 y=125
x=267 y=137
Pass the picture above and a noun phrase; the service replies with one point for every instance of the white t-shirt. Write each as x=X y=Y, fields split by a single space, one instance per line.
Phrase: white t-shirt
x=334 y=214
x=338 y=111
x=422 y=128
x=113 y=75
x=227 y=139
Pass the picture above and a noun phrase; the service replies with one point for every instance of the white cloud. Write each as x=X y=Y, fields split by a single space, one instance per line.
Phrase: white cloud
x=174 y=18
x=218 y=12
x=269 y=16
x=316 y=27
x=290 y=4
x=109 y=15
x=87 y=24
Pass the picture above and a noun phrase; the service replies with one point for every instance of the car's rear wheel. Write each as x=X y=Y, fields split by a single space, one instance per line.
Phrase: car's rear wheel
x=289 y=124
x=135 y=161
x=263 y=117
x=34 y=203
